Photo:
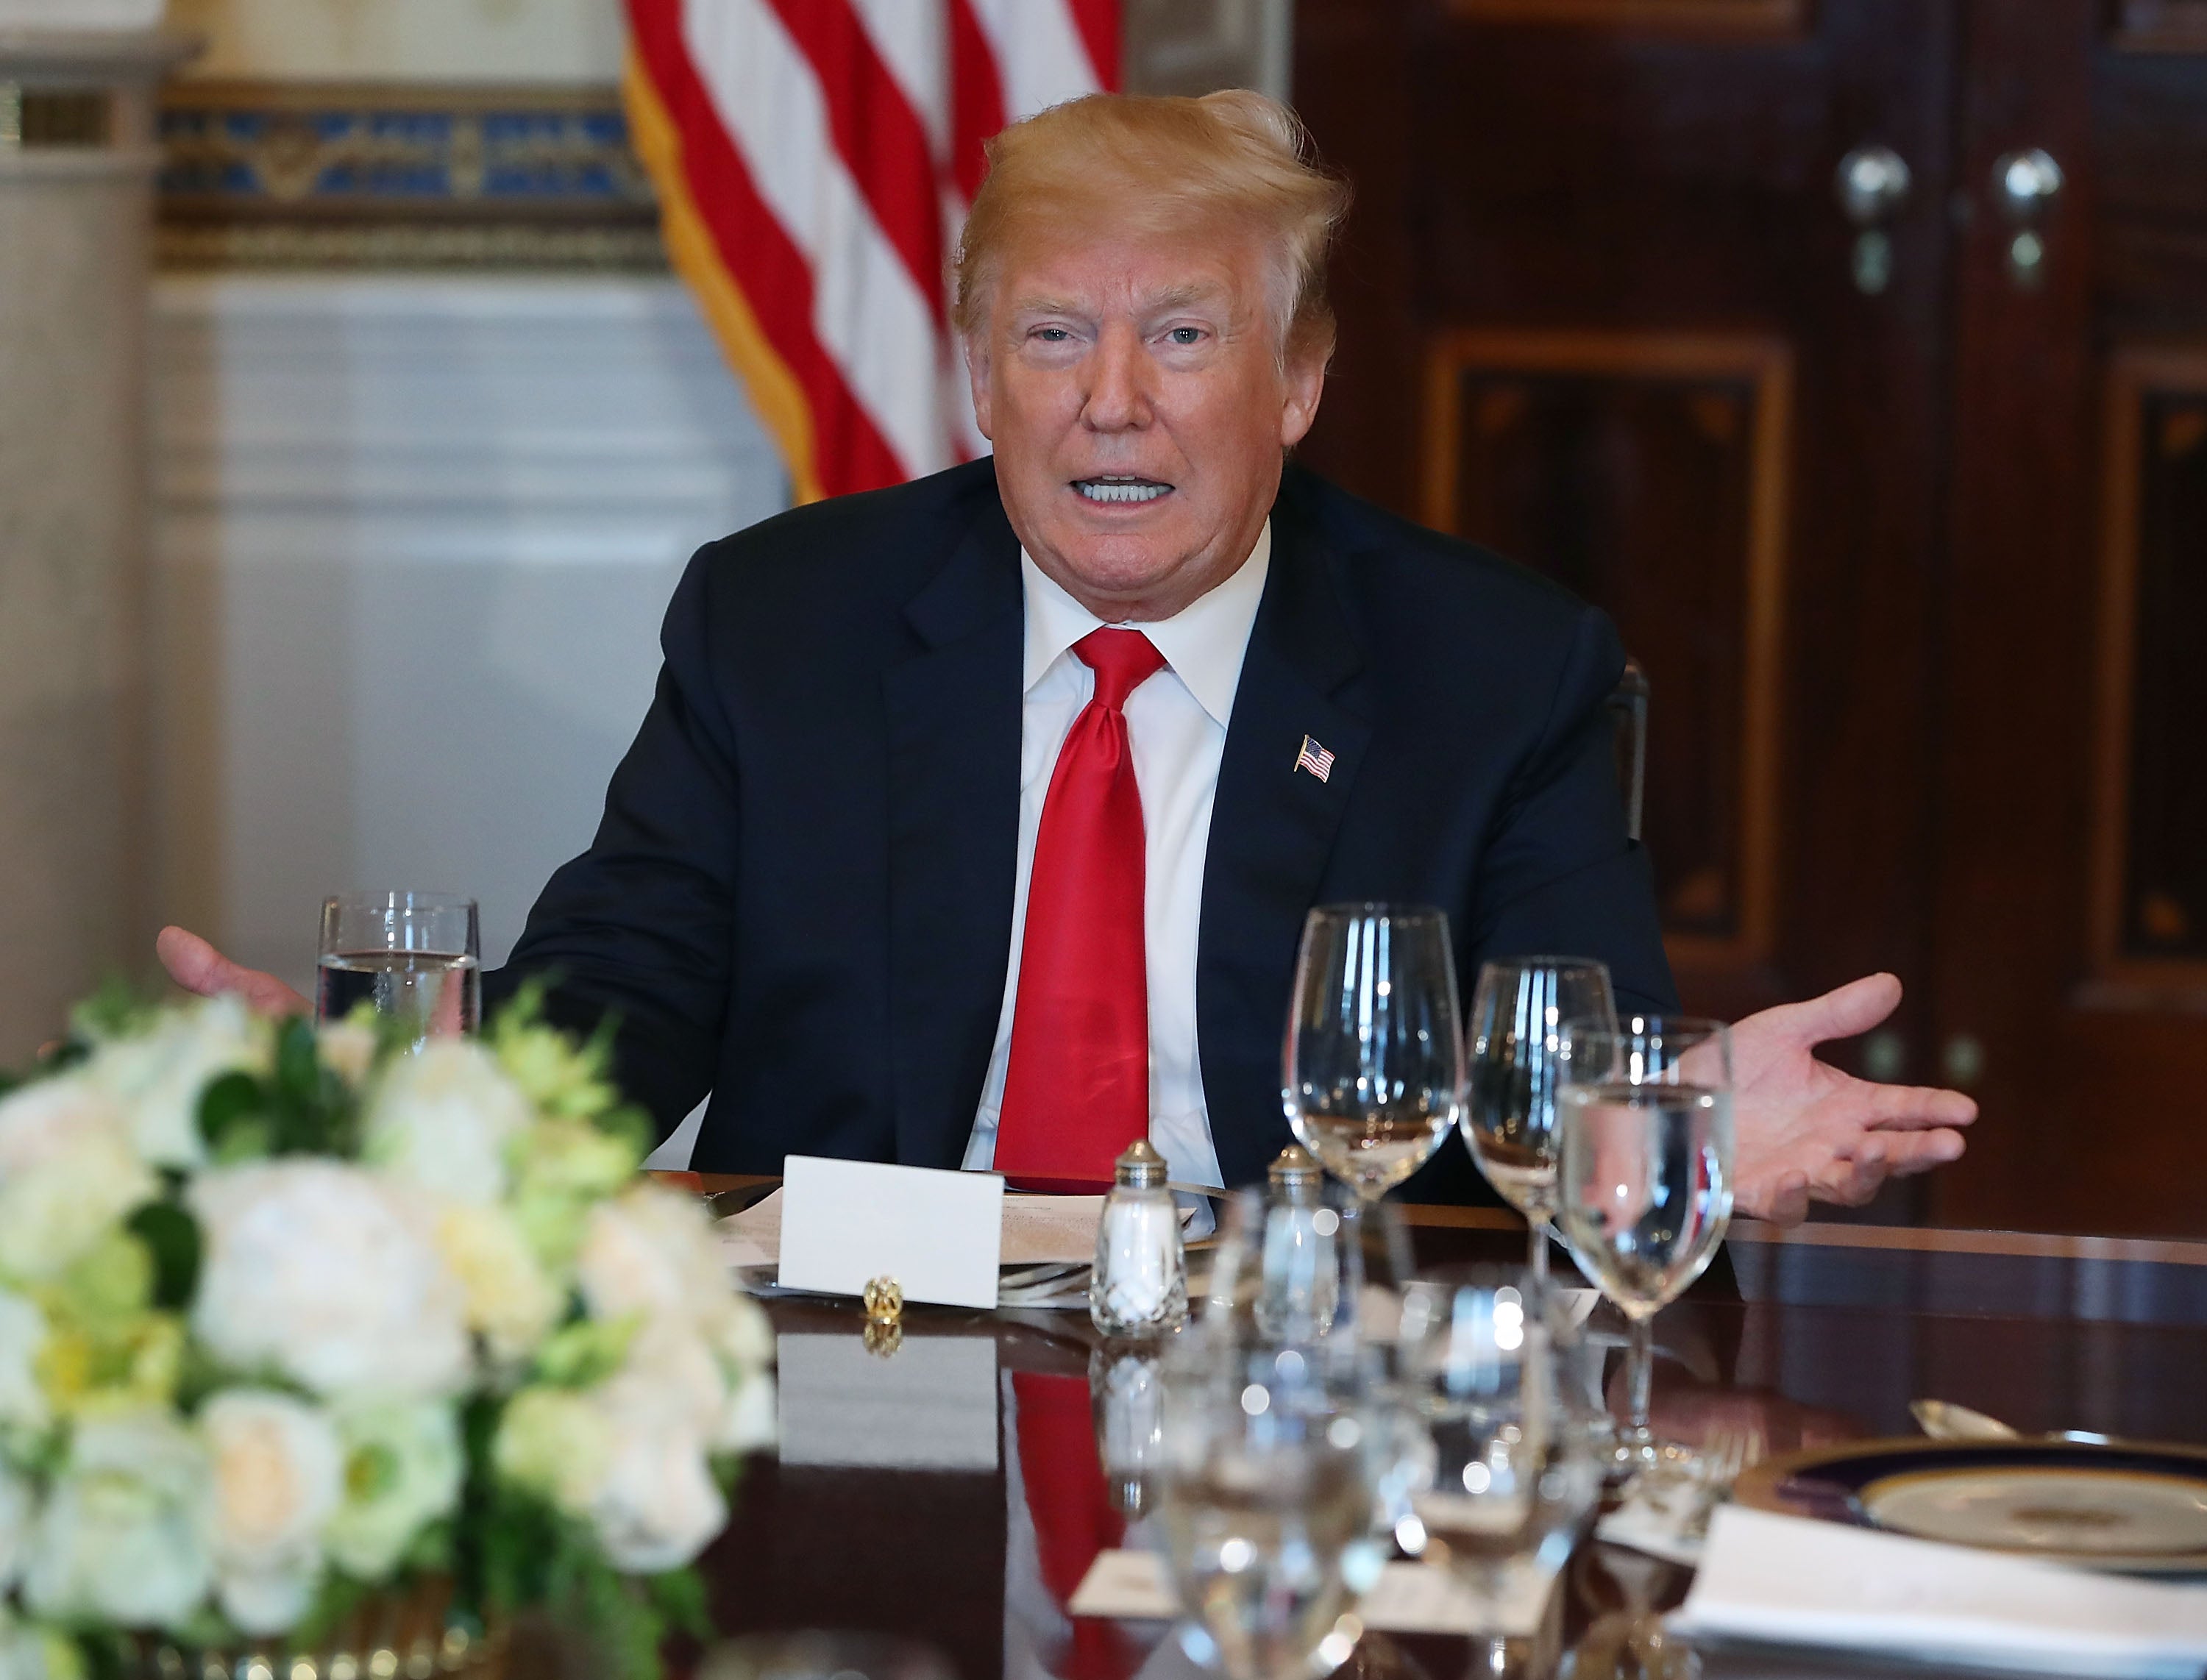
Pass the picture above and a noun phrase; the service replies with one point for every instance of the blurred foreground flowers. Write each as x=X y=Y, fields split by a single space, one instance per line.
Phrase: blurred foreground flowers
x=290 y=1318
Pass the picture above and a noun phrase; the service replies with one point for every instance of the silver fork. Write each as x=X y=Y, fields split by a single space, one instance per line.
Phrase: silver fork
x=1726 y=1455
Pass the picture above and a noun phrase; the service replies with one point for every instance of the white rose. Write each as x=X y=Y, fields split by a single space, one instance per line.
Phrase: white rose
x=22 y=1335
x=47 y=1118
x=14 y=1526
x=331 y=1275
x=511 y=1301
x=750 y=1423
x=159 y=1075
x=659 y=1504
x=53 y=1211
x=403 y=1469
x=278 y=1473
x=653 y=1251
x=124 y=1535
x=558 y=1442
x=445 y=1118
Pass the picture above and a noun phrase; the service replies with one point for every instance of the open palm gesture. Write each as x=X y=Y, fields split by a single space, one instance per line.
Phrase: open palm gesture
x=1806 y=1130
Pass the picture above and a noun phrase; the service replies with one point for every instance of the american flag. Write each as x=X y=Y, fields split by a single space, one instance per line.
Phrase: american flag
x=1315 y=759
x=814 y=160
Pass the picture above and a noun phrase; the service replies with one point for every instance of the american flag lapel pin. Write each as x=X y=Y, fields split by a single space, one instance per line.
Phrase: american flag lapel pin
x=1315 y=759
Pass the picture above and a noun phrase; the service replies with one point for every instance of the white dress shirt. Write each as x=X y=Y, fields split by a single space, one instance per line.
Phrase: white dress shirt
x=1176 y=726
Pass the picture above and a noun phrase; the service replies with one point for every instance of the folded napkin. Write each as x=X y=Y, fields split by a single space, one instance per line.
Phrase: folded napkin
x=1790 y=1580
x=1661 y=1517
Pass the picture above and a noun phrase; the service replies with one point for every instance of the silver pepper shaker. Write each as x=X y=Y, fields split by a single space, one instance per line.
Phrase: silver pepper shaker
x=1139 y=1288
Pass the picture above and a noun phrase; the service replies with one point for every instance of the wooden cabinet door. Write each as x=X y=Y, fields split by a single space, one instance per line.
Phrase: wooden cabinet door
x=1602 y=309
x=2071 y=933
x=1904 y=507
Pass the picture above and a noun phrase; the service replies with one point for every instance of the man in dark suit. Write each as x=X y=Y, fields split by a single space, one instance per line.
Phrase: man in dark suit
x=976 y=820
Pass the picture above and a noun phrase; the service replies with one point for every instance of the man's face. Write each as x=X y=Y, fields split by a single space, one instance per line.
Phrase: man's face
x=1135 y=398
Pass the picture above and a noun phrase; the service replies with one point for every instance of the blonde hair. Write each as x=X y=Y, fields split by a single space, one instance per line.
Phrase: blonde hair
x=1163 y=165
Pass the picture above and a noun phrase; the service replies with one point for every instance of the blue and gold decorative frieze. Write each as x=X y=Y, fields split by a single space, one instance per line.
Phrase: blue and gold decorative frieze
x=283 y=175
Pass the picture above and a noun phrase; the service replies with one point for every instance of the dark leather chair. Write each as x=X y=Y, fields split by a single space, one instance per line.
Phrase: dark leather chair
x=1628 y=710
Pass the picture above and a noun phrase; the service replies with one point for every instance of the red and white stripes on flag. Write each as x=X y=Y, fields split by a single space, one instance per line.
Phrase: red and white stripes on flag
x=814 y=160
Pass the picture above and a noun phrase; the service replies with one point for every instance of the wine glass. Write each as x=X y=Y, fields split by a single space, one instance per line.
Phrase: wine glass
x=1644 y=1174
x=1518 y=1010
x=1264 y=1493
x=416 y=958
x=1509 y=1475
x=1372 y=1074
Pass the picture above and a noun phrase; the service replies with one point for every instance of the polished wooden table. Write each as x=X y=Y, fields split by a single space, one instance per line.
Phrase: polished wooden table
x=1824 y=1332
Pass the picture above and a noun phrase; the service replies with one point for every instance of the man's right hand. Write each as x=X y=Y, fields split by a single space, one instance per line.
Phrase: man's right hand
x=197 y=967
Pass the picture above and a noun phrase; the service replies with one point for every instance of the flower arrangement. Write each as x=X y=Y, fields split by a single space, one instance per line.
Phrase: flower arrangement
x=290 y=1318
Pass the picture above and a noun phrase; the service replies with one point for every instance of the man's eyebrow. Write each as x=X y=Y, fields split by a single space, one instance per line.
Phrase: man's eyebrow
x=1183 y=297
x=1046 y=306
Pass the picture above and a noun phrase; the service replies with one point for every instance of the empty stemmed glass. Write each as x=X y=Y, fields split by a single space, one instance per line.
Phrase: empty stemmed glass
x=1486 y=1365
x=1644 y=1177
x=1373 y=1074
x=1518 y=1010
x=1264 y=1488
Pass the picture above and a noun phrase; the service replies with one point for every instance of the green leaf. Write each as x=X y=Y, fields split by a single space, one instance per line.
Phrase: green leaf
x=585 y=1352
x=227 y=1104
x=114 y=1010
x=173 y=1237
x=679 y=1595
x=298 y=1068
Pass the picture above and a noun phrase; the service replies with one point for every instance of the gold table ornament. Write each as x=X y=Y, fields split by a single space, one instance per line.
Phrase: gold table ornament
x=884 y=1299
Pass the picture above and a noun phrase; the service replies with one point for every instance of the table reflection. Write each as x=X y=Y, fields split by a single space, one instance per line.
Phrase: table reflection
x=955 y=1491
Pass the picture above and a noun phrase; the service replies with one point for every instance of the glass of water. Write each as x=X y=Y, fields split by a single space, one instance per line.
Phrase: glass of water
x=1373 y=1074
x=1518 y=1014
x=1264 y=1490
x=1644 y=1173
x=415 y=957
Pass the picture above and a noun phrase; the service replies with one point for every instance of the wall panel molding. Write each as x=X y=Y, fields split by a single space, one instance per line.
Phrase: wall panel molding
x=2148 y=930
x=414 y=540
x=1721 y=402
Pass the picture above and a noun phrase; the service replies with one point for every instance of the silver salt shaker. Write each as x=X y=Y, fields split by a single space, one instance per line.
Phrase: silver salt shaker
x=1306 y=1264
x=1139 y=1288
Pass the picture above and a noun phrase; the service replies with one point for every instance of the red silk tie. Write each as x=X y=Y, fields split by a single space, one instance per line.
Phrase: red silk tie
x=1077 y=1081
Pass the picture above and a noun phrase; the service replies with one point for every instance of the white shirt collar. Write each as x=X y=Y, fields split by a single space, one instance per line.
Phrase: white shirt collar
x=1203 y=642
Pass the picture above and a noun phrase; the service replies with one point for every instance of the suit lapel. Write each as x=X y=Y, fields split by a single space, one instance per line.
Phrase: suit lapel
x=1272 y=827
x=953 y=735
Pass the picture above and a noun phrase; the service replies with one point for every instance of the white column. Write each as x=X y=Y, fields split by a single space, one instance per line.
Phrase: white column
x=76 y=169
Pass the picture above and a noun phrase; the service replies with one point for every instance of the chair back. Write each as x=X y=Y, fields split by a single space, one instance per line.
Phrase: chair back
x=1628 y=711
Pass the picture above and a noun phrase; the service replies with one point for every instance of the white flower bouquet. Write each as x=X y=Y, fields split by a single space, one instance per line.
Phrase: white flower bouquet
x=291 y=1319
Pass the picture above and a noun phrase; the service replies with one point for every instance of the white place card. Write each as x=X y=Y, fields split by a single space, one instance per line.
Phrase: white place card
x=931 y=1408
x=844 y=1222
x=1407 y=1598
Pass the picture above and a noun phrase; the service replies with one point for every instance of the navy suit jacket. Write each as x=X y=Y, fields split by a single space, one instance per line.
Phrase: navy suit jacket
x=801 y=896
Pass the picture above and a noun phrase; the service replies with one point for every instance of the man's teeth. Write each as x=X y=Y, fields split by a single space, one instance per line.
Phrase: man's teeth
x=1119 y=490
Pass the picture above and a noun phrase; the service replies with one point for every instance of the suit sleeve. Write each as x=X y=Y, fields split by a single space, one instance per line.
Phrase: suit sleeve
x=641 y=926
x=1558 y=873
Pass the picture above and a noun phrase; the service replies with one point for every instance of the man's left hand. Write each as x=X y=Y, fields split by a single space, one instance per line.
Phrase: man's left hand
x=1805 y=1129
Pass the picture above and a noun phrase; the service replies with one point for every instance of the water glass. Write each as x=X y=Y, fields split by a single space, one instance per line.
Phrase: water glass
x=1373 y=1066
x=416 y=958
x=1644 y=1175
x=1266 y=1505
x=1518 y=1010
